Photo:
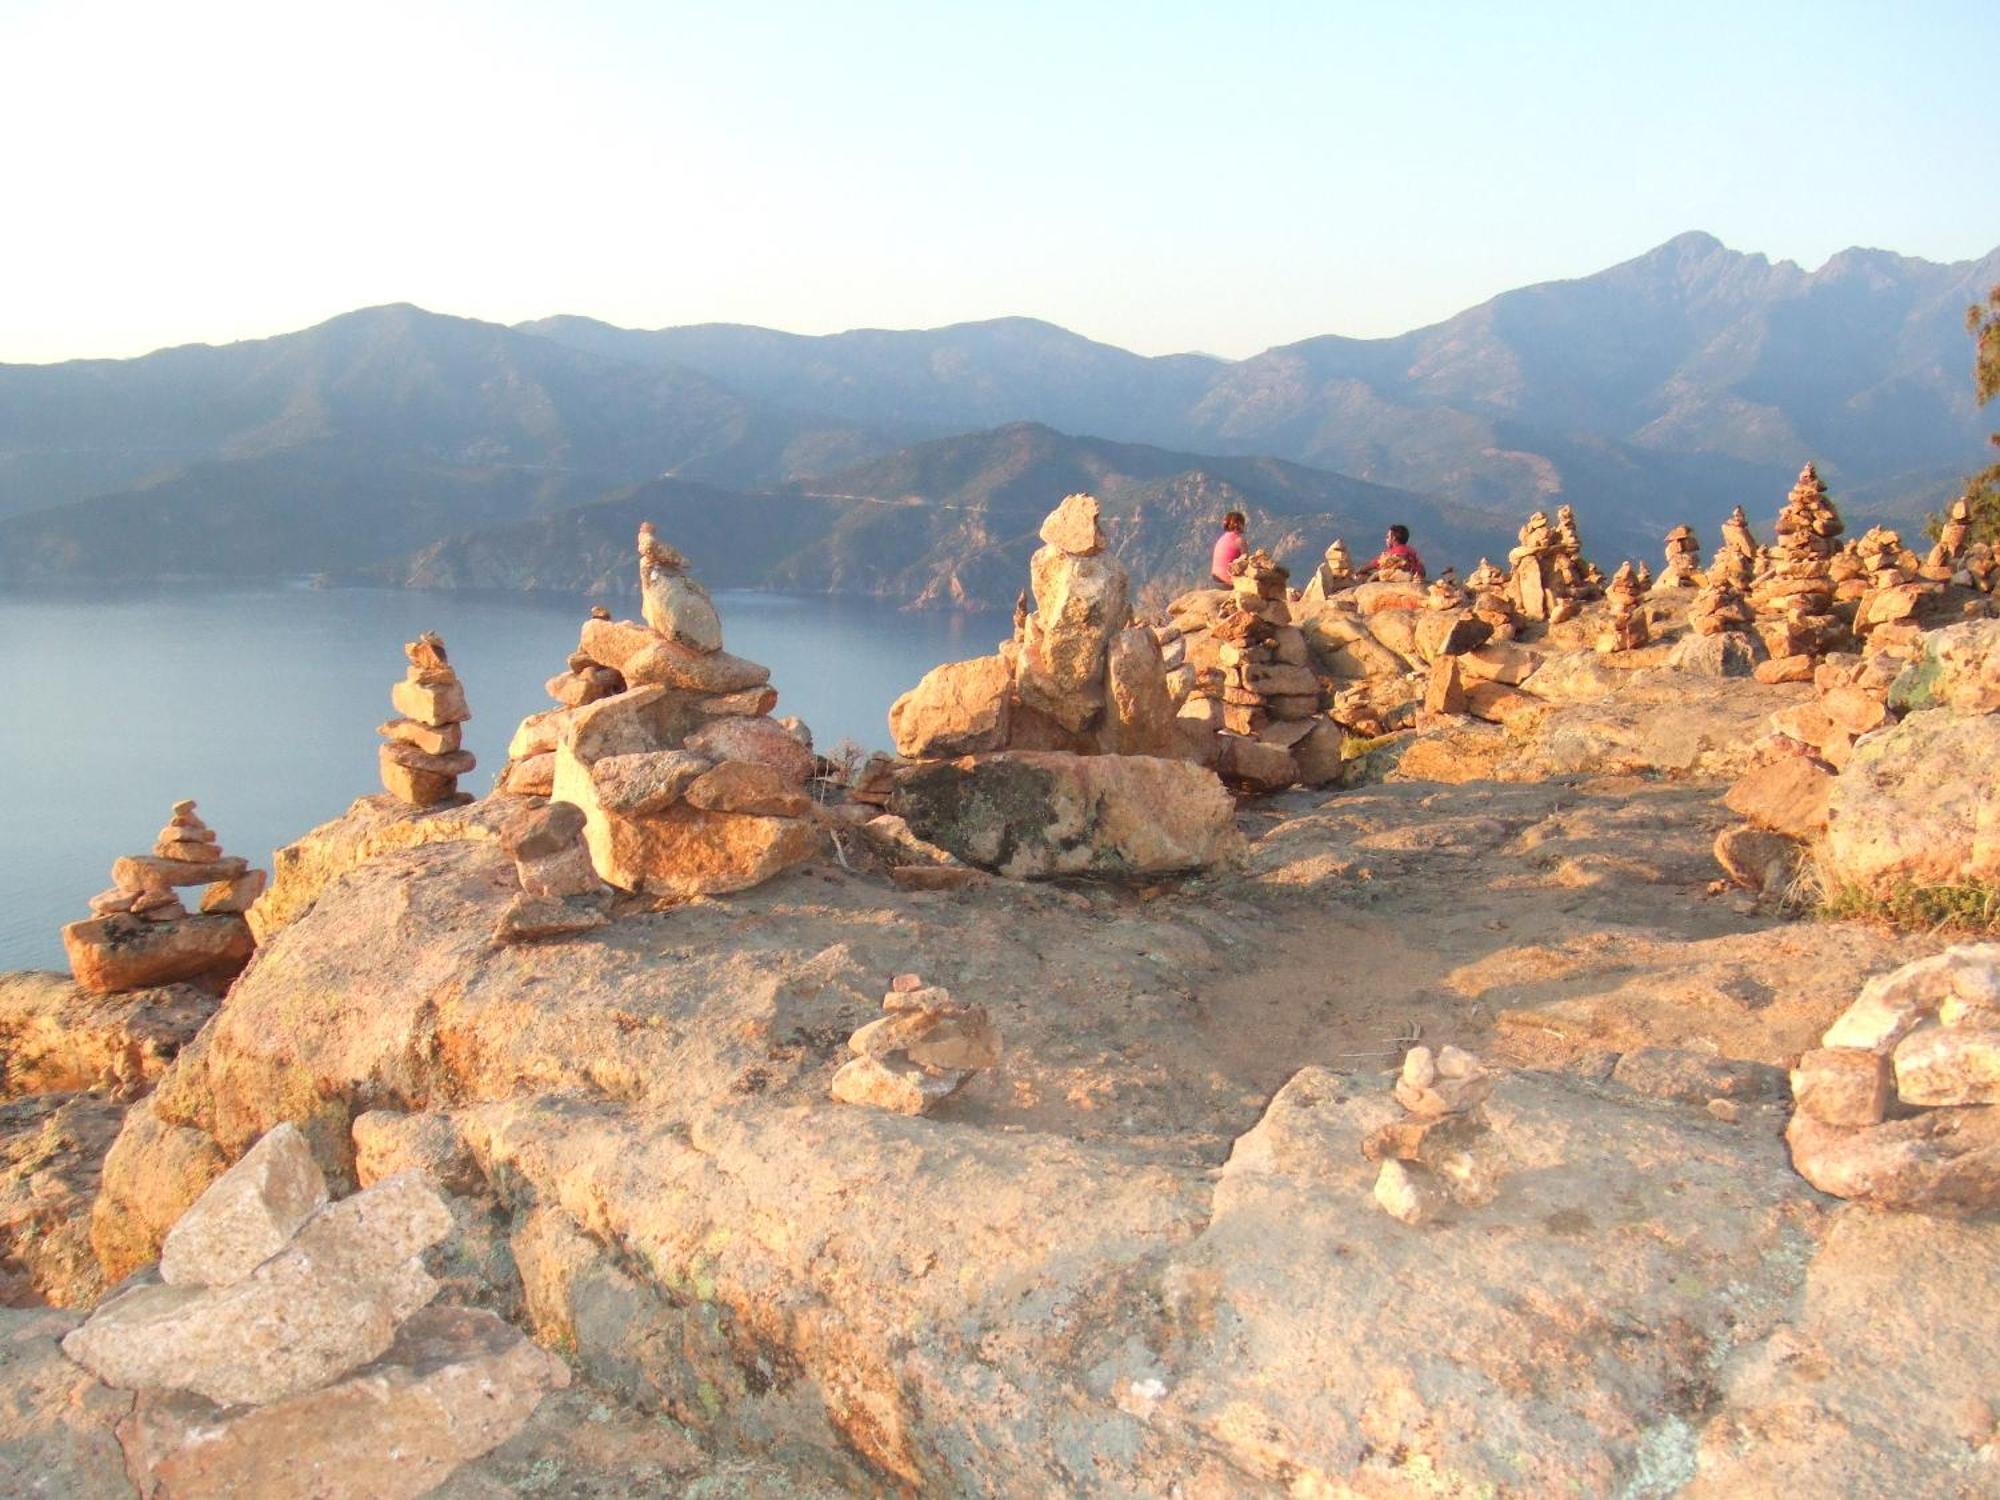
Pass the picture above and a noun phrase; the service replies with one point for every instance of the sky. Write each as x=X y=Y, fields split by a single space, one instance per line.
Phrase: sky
x=1163 y=176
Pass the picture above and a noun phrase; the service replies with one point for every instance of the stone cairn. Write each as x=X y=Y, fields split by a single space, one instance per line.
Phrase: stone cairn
x=1956 y=558
x=285 y=1330
x=1794 y=593
x=561 y=893
x=920 y=1052
x=1259 y=694
x=1736 y=562
x=1896 y=1107
x=421 y=754
x=1446 y=592
x=1334 y=575
x=1076 y=675
x=1488 y=587
x=141 y=934
x=1545 y=569
x=1626 y=630
x=1683 y=560
x=1430 y=1157
x=686 y=784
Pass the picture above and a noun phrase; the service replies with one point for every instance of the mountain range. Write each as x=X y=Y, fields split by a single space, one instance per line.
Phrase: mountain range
x=398 y=444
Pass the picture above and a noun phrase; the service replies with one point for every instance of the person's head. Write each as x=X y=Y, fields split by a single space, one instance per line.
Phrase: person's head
x=1399 y=535
x=1234 y=521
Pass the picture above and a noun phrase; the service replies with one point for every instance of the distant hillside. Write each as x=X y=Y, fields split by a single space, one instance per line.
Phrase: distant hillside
x=352 y=441
x=1662 y=390
x=1667 y=388
x=951 y=523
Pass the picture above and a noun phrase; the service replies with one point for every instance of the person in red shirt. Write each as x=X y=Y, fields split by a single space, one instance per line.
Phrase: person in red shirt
x=1228 y=548
x=1398 y=560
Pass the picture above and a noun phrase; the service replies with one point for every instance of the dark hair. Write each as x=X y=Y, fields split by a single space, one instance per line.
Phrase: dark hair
x=1401 y=533
x=1235 y=521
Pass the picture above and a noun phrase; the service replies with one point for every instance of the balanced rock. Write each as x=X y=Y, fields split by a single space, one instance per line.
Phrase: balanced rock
x=674 y=604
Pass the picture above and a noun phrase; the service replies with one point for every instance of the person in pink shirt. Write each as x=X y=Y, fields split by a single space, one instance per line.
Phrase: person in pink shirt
x=1398 y=561
x=1228 y=548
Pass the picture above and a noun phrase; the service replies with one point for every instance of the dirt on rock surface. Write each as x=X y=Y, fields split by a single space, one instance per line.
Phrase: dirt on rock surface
x=1138 y=1255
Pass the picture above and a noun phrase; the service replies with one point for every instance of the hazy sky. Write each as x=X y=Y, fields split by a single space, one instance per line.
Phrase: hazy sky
x=1163 y=176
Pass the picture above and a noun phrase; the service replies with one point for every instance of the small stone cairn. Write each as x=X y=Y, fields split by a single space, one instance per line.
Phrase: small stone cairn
x=421 y=755
x=1429 y=1158
x=1626 y=629
x=1956 y=558
x=685 y=783
x=292 y=1335
x=1897 y=1105
x=1736 y=562
x=141 y=934
x=1334 y=575
x=1683 y=569
x=921 y=1051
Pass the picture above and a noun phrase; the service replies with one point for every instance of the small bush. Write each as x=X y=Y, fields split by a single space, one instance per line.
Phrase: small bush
x=1970 y=908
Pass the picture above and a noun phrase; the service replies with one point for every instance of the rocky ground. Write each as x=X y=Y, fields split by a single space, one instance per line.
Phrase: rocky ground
x=1139 y=1255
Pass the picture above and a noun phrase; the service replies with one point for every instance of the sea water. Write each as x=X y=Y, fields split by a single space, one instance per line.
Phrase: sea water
x=261 y=703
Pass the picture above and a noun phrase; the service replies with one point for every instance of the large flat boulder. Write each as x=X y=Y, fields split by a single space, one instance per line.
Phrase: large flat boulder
x=1030 y=814
x=120 y=952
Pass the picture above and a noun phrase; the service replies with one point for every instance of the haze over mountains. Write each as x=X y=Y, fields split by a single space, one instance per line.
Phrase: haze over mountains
x=398 y=444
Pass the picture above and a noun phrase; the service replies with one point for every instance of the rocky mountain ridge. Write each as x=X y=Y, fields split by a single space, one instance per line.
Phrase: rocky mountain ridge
x=1663 y=390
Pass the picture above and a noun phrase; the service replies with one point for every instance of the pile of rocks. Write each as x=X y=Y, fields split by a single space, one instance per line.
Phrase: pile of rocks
x=288 y=1348
x=1956 y=558
x=1683 y=560
x=921 y=1051
x=1627 y=629
x=1896 y=1107
x=686 y=784
x=422 y=756
x=1885 y=583
x=1429 y=1158
x=561 y=893
x=1076 y=676
x=1793 y=593
x=140 y=932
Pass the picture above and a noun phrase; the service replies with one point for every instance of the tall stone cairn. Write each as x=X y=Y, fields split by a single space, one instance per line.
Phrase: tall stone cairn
x=141 y=934
x=421 y=755
x=1794 y=593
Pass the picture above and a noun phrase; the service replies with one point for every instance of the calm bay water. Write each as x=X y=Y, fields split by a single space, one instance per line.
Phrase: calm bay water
x=262 y=702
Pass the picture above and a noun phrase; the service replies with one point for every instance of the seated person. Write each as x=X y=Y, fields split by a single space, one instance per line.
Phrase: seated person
x=1398 y=562
x=1229 y=548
